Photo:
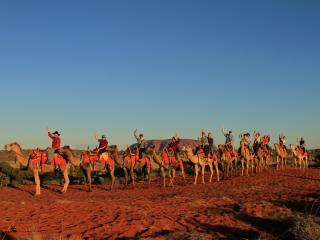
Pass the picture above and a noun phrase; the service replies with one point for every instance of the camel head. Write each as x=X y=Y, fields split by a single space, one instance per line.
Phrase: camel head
x=113 y=149
x=66 y=153
x=220 y=147
x=292 y=147
x=12 y=147
x=187 y=149
x=151 y=149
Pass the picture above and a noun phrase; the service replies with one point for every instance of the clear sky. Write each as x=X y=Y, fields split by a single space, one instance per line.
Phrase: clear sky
x=163 y=67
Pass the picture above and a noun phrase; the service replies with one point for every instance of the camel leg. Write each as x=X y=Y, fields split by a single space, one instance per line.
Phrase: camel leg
x=163 y=176
x=125 y=175
x=217 y=170
x=211 y=172
x=37 y=181
x=88 y=178
x=113 y=178
x=183 y=174
x=196 y=171
x=173 y=176
x=202 y=172
x=228 y=166
x=248 y=166
x=66 y=179
x=242 y=167
x=133 y=177
x=149 y=173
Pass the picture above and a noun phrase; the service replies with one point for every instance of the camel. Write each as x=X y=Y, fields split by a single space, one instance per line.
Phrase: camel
x=281 y=155
x=131 y=165
x=93 y=164
x=262 y=158
x=201 y=162
x=246 y=157
x=169 y=165
x=299 y=157
x=228 y=161
x=35 y=163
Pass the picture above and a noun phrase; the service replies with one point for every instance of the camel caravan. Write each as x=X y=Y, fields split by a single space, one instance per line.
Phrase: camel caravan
x=223 y=162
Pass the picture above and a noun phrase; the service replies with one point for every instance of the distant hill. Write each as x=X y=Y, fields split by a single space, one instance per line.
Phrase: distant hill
x=161 y=144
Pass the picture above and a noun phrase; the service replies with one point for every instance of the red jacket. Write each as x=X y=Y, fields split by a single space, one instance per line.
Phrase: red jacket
x=175 y=145
x=56 y=141
x=103 y=143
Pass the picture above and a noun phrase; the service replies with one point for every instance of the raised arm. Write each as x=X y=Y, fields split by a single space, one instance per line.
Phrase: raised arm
x=135 y=133
x=49 y=133
x=96 y=137
x=222 y=130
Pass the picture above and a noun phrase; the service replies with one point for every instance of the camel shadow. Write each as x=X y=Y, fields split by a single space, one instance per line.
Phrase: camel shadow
x=305 y=207
x=6 y=236
x=271 y=226
x=228 y=232
x=301 y=177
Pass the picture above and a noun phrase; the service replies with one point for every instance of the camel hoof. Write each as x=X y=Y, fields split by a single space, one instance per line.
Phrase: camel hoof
x=36 y=194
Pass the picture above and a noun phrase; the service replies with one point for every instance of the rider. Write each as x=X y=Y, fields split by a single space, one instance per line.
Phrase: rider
x=55 y=146
x=245 y=138
x=211 y=143
x=282 y=141
x=204 y=143
x=174 y=145
x=302 y=145
x=229 y=140
x=257 y=142
x=141 y=143
x=103 y=144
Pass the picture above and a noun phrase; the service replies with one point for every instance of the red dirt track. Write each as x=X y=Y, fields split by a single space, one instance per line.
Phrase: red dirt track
x=240 y=208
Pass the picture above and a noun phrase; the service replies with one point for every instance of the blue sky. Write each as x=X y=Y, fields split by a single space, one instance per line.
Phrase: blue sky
x=163 y=67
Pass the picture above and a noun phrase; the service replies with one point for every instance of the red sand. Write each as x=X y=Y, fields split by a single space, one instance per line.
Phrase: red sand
x=240 y=208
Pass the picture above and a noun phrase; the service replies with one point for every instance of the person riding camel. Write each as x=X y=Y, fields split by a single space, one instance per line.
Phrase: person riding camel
x=282 y=141
x=229 y=140
x=204 y=143
x=55 y=146
x=211 y=143
x=302 y=145
x=174 y=145
x=141 y=144
x=247 y=141
x=103 y=144
x=132 y=154
x=257 y=142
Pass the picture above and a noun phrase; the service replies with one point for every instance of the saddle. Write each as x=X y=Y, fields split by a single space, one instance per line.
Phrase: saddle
x=168 y=158
x=39 y=157
x=132 y=158
x=92 y=157
x=301 y=151
x=202 y=156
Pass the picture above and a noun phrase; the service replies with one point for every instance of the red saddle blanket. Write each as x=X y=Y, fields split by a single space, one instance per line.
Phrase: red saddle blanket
x=91 y=158
x=300 y=152
x=229 y=154
x=201 y=154
x=132 y=159
x=38 y=157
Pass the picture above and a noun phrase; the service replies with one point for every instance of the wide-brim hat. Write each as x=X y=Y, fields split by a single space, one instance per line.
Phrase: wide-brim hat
x=56 y=132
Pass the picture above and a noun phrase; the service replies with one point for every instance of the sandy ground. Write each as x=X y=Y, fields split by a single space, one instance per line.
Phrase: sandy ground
x=240 y=208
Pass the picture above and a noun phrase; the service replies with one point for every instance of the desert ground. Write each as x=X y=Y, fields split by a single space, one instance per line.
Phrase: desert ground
x=260 y=206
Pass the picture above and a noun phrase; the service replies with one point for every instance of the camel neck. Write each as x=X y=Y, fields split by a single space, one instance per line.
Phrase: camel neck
x=20 y=156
